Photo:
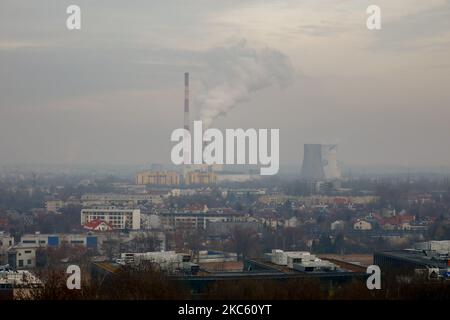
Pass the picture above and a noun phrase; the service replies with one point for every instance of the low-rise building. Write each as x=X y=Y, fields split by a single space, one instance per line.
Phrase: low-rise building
x=396 y=222
x=337 y=225
x=316 y=265
x=291 y=222
x=212 y=256
x=55 y=240
x=302 y=261
x=168 y=261
x=6 y=241
x=427 y=260
x=195 y=220
x=413 y=264
x=362 y=225
x=224 y=176
x=22 y=256
x=442 y=247
x=121 y=200
x=17 y=284
x=54 y=205
x=182 y=192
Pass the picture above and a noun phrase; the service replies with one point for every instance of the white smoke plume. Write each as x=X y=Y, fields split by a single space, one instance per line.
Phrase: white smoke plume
x=235 y=72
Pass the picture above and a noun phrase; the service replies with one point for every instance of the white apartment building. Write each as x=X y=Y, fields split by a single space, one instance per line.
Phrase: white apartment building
x=115 y=199
x=118 y=218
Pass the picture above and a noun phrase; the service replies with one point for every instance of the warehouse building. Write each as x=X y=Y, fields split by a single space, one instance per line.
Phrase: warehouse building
x=167 y=261
x=302 y=261
x=430 y=259
x=55 y=240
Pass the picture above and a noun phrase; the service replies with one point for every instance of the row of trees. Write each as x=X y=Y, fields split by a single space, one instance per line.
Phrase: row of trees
x=131 y=284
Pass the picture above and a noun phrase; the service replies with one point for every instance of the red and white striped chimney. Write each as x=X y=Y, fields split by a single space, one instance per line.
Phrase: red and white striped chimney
x=186 y=101
x=187 y=155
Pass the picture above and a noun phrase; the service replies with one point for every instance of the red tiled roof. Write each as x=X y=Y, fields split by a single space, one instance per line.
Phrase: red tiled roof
x=340 y=200
x=397 y=220
x=92 y=225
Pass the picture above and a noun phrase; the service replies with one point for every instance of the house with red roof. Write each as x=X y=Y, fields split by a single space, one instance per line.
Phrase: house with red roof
x=98 y=225
x=397 y=222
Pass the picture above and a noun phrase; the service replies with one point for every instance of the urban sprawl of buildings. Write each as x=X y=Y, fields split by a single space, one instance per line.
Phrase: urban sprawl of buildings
x=326 y=227
x=201 y=225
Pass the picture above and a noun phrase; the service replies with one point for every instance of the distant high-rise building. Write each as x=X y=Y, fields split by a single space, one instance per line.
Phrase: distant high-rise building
x=167 y=178
x=200 y=177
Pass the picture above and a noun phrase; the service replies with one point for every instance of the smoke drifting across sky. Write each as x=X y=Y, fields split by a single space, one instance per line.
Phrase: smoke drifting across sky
x=112 y=93
x=234 y=72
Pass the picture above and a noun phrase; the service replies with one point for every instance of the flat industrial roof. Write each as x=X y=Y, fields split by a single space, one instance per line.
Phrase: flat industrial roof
x=416 y=256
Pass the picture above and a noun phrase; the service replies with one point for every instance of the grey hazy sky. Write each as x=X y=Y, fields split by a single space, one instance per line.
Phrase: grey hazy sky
x=113 y=92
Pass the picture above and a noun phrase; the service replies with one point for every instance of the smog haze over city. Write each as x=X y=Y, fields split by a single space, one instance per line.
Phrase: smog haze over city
x=112 y=92
x=210 y=158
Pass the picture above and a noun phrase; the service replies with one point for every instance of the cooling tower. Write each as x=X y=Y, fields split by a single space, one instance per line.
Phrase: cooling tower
x=312 y=168
x=329 y=161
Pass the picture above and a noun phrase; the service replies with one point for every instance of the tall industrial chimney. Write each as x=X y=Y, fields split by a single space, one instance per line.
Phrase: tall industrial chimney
x=186 y=155
x=186 y=101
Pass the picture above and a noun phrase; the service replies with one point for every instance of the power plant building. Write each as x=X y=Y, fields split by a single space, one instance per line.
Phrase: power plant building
x=312 y=168
x=329 y=161
x=320 y=162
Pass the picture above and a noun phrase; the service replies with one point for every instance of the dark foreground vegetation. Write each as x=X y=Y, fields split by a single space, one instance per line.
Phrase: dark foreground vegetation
x=152 y=285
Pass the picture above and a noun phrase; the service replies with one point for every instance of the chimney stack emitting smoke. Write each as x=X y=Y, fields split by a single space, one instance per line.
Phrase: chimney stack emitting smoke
x=234 y=73
x=186 y=101
x=187 y=155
